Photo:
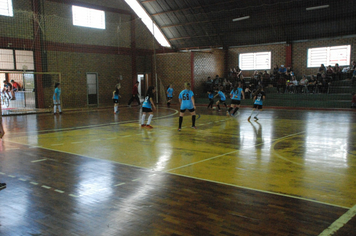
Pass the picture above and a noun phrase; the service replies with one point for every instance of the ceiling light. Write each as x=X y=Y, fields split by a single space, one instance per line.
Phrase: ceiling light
x=241 y=18
x=316 y=8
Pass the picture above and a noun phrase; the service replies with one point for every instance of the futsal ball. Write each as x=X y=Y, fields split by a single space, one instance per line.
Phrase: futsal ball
x=214 y=108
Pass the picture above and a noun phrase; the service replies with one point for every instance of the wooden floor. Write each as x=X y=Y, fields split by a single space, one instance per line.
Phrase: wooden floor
x=97 y=173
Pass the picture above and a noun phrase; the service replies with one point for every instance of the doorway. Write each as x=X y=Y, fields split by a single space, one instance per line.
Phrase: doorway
x=92 y=88
x=142 y=86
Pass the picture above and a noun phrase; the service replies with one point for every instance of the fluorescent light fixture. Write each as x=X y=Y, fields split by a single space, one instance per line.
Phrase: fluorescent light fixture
x=317 y=7
x=146 y=19
x=241 y=18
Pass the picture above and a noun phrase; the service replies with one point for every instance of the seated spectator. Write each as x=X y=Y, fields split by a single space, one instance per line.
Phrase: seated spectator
x=15 y=87
x=329 y=72
x=303 y=83
x=248 y=92
x=281 y=84
x=312 y=85
x=321 y=70
x=337 y=72
x=282 y=70
x=353 y=72
x=7 y=89
x=292 y=85
x=323 y=84
x=266 y=79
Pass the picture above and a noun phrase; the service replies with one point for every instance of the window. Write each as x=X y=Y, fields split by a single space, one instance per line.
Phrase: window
x=88 y=17
x=329 y=56
x=24 y=60
x=255 y=61
x=7 y=59
x=6 y=8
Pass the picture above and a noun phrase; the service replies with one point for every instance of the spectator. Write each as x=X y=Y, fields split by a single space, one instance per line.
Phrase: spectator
x=329 y=72
x=321 y=70
x=7 y=89
x=281 y=84
x=323 y=85
x=135 y=95
x=303 y=83
x=266 y=79
x=292 y=85
x=248 y=91
x=337 y=72
x=15 y=87
x=353 y=103
x=312 y=85
x=282 y=70
x=353 y=70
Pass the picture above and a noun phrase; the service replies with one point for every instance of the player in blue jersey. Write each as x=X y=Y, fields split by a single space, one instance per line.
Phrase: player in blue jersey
x=147 y=107
x=186 y=100
x=169 y=95
x=211 y=99
x=57 y=98
x=115 y=98
x=236 y=94
x=259 y=96
x=222 y=98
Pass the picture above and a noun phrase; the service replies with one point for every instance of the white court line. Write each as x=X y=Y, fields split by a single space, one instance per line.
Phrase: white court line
x=57 y=144
x=46 y=187
x=119 y=184
x=58 y=191
x=45 y=159
x=24 y=180
x=76 y=142
x=72 y=195
x=34 y=183
x=339 y=223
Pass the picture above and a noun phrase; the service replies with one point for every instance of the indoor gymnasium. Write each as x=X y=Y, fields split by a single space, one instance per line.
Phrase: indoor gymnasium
x=168 y=117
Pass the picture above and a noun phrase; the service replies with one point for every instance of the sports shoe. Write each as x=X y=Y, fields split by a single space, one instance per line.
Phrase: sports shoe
x=60 y=113
x=194 y=127
x=149 y=126
x=54 y=113
x=249 y=118
x=2 y=186
x=179 y=129
x=255 y=118
x=219 y=110
x=143 y=126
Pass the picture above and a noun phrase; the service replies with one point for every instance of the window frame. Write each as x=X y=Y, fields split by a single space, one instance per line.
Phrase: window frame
x=9 y=11
x=328 y=59
x=17 y=62
x=87 y=20
x=255 y=61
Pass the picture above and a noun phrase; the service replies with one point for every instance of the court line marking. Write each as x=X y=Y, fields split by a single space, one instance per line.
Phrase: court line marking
x=339 y=223
x=233 y=185
x=99 y=125
x=262 y=191
x=45 y=159
x=239 y=150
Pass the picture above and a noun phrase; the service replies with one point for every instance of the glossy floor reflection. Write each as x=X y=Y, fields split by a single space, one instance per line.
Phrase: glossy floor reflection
x=81 y=159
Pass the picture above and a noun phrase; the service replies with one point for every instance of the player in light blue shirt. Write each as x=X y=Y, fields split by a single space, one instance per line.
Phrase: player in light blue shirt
x=147 y=107
x=211 y=99
x=115 y=98
x=222 y=99
x=259 y=96
x=236 y=94
x=169 y=95
x=186 y=100
x=57 y=98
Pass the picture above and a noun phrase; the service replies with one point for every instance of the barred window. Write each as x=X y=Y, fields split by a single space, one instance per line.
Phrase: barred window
x=329 y=56
x=88 y=17
x=7 y=59
x=6 y=8
x=24 y=60
x=255 y=61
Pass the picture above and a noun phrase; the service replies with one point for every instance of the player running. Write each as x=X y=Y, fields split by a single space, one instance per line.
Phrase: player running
x=236 y=95
x=259 y=96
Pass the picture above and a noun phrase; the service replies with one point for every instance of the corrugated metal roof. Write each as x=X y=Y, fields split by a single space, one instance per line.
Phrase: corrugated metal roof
x=208 y=23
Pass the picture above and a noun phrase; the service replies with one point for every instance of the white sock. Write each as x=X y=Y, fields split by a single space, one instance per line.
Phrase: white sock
x=54 y=108
x=252 y=112
x=149 y=119
x=59 y=108
x=143 y=119
x=258 y=112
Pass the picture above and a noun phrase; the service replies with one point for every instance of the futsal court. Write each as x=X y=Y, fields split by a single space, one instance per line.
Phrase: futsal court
x=291 y=172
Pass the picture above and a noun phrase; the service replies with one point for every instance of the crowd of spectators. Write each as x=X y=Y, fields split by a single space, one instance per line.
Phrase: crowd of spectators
x=283 y=78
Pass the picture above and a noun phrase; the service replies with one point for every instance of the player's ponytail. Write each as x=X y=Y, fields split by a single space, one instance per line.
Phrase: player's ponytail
x=149 y=90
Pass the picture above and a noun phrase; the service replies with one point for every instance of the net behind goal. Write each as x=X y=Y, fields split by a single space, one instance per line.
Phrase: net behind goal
x=35 y=91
